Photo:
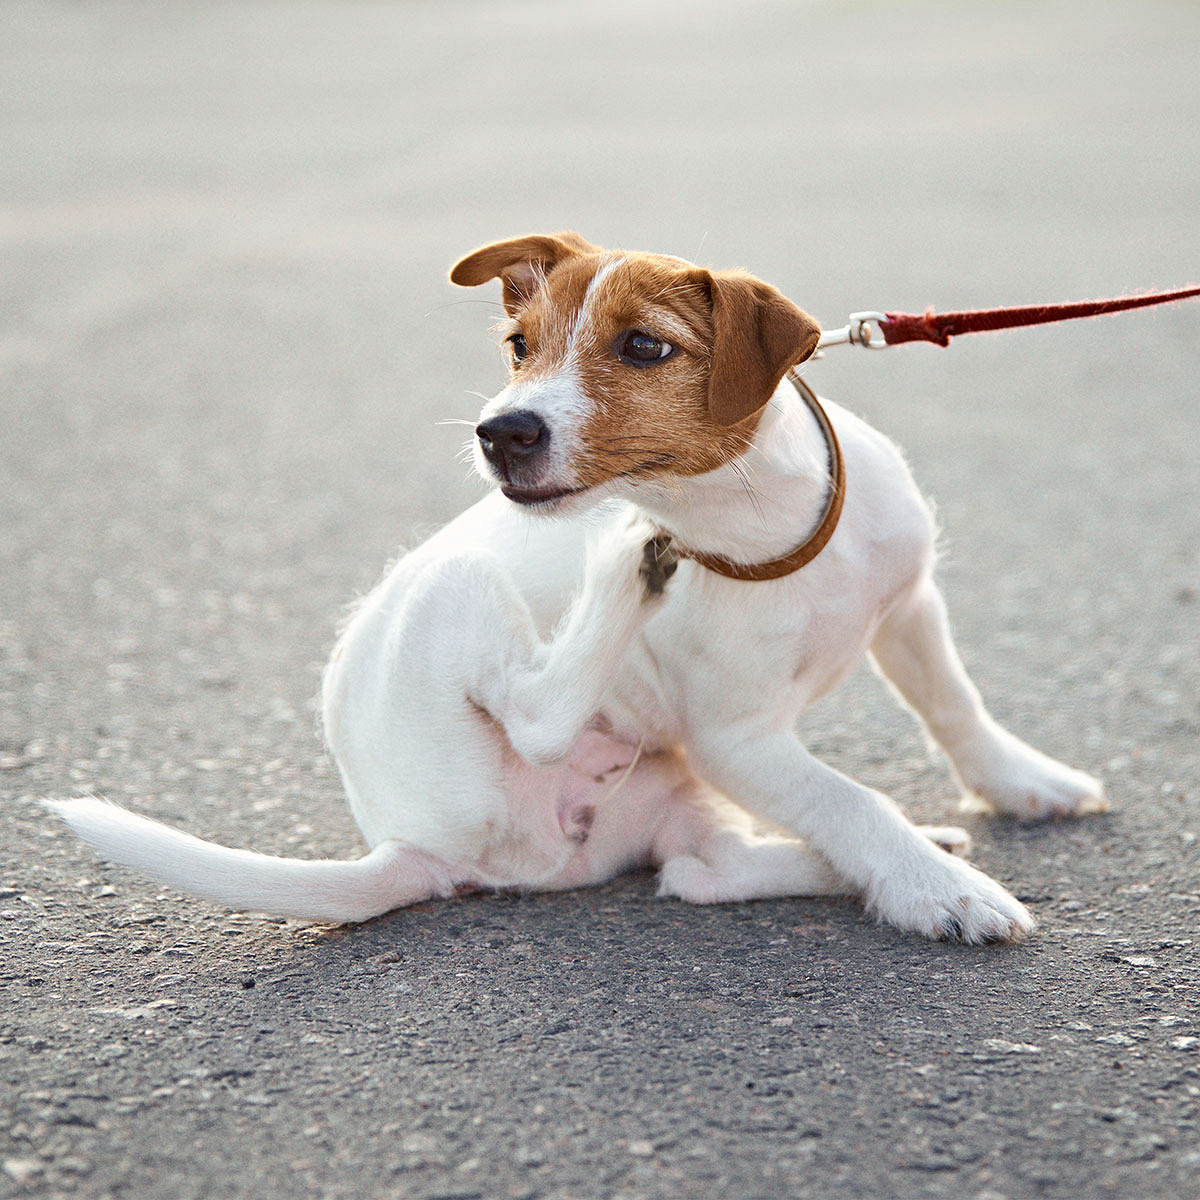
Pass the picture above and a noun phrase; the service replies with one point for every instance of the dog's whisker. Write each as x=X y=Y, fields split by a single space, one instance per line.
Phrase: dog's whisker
x=437 y=308
x=739 y=469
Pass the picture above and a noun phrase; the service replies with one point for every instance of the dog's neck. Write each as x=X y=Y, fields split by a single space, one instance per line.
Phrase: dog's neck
x=762 y=504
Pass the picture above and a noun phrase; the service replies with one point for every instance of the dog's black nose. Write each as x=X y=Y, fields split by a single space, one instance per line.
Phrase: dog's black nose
x=512 y=438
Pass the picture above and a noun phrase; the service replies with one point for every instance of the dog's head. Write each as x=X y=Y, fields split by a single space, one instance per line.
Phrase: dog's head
x=625 y=367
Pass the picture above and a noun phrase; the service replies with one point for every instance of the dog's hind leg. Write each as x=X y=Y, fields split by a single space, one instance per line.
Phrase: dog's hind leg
x=442 y=678
x=544 y=694
x=712 y=854
x=914 y=651
x=750 y=869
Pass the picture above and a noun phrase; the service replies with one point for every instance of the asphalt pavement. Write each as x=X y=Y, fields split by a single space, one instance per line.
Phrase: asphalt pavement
x=228 y=353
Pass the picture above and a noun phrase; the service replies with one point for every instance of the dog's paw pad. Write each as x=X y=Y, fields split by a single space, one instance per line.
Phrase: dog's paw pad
x=659 y=562
x=950 y=929
x=1090 y=805
x=1049 y=794
x=978 y=925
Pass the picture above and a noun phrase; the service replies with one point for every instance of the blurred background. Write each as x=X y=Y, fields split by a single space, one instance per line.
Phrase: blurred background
x=227 y=339
x=228 y=344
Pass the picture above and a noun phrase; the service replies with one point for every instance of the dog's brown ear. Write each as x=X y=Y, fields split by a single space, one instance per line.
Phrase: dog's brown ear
x=757 y=334
x=521 y=263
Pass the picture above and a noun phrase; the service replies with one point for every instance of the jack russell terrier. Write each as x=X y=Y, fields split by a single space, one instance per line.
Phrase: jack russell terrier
x=538 y=703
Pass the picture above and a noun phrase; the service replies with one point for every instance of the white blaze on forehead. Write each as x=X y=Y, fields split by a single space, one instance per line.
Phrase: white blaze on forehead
x=657 y=318
x=590 y=299
x=556 y=397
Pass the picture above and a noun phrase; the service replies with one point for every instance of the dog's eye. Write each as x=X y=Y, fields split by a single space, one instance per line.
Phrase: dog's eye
x=519 y=348
x=638 y=348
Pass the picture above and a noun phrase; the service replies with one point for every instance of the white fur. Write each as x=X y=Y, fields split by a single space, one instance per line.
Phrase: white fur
x=587 y=308
x=509 y=708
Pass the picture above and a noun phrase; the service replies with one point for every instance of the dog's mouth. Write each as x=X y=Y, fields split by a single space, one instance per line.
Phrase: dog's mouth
x=537 y=497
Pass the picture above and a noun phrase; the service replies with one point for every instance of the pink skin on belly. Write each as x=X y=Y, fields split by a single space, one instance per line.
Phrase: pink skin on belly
x=593 y=767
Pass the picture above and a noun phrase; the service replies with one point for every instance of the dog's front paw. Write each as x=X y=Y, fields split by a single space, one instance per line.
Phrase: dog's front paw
x=952 y=903
x=659 y=562
x=1018 y=781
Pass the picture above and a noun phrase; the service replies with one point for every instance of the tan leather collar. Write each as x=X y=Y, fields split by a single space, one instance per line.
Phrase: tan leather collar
x=816 y=541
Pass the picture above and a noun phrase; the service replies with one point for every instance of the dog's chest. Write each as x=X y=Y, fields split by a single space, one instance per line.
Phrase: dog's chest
x=715 y=654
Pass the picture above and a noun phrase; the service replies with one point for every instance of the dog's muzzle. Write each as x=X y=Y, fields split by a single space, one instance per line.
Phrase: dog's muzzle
x=514 y=444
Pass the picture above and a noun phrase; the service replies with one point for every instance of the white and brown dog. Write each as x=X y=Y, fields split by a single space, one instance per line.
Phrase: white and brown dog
x=527 y=702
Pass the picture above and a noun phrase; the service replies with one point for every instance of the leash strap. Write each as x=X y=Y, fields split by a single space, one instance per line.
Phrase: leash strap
x=941 y=327
x=875 y=330
x=817 y=540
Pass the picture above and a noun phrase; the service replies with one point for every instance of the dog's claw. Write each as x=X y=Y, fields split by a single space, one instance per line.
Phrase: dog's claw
x=659 y=561
x=951 y=930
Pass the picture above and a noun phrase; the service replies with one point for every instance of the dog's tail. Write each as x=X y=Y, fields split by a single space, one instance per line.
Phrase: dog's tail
x=390 y=876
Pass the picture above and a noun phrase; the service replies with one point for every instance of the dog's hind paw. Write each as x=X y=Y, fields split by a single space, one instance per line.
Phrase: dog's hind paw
x=686 y=877
x=659 y=562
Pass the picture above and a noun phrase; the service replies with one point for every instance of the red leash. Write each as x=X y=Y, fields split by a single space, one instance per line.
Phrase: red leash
x=894 y=328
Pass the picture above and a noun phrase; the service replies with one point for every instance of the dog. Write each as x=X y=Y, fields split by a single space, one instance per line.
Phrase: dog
x=600 y=665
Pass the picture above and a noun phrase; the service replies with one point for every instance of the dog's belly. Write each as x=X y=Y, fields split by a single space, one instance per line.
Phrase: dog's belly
x=578 y=822
x=418 y=767
x=595 y=767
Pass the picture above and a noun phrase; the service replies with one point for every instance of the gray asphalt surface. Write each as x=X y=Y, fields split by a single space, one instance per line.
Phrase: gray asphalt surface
x=226 y=342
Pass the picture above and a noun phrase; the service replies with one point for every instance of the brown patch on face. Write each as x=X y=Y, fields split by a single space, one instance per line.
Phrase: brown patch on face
x=732 y=337
x=548 y=318
x=648 y=421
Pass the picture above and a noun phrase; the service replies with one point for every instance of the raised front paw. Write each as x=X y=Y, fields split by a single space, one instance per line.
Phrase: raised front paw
x=950 y=901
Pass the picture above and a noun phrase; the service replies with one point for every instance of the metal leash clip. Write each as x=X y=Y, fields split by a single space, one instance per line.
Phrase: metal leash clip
x=865 y=329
